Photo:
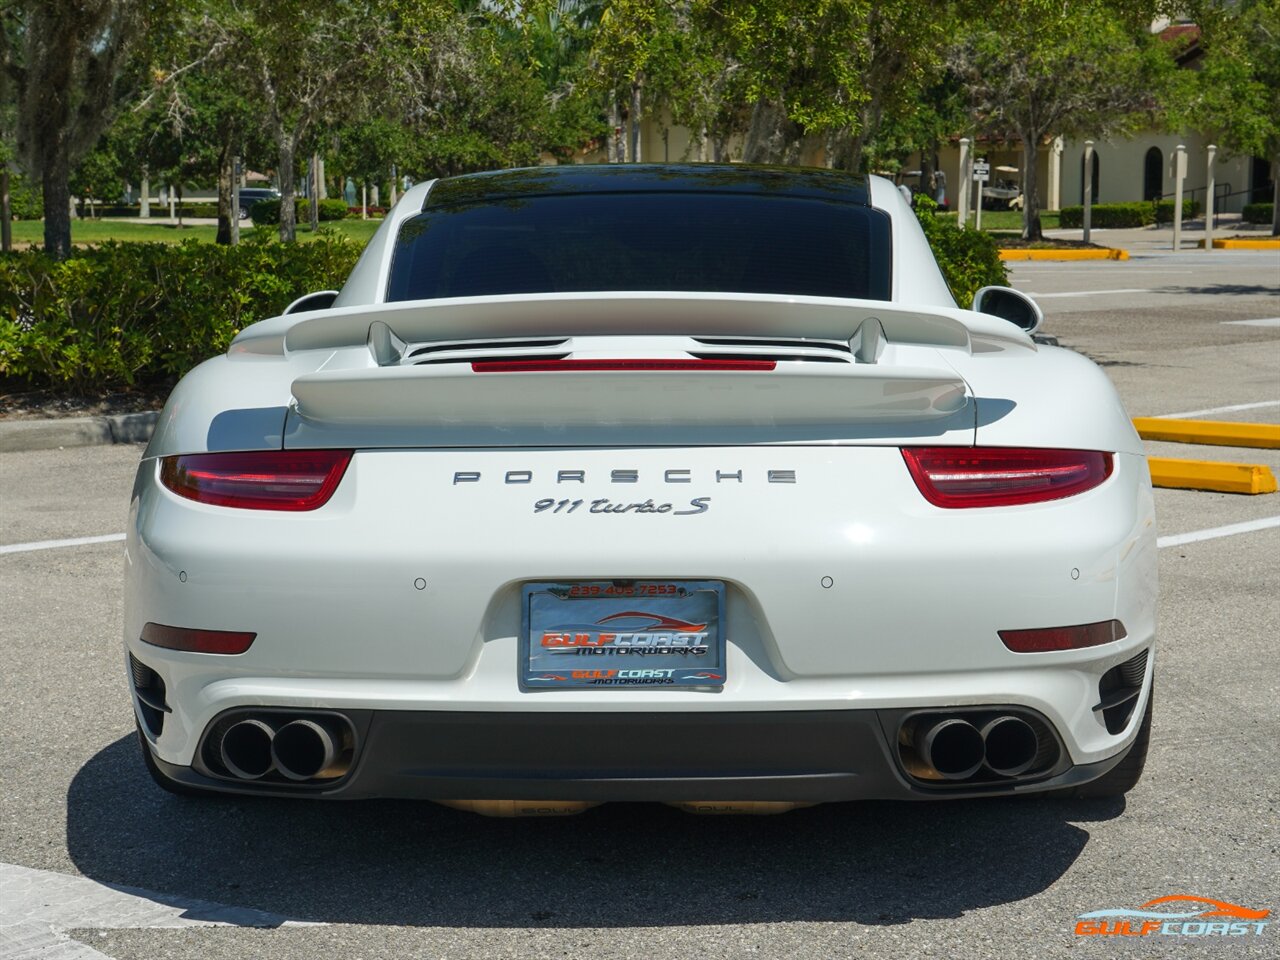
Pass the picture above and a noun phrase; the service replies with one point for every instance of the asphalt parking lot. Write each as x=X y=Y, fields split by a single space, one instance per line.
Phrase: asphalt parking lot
x=99 y=862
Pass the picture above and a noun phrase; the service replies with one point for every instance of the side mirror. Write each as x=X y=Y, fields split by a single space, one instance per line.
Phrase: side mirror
x=320 y=300
x=1009 y=304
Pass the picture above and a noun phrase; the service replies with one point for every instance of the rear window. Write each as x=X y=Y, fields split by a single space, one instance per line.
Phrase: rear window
x=709 y=242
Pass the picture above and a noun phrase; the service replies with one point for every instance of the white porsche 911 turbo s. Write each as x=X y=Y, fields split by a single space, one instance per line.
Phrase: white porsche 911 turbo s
x=677 y=483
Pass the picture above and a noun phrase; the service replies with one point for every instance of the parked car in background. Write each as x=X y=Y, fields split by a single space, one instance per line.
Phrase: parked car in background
x=251 y=195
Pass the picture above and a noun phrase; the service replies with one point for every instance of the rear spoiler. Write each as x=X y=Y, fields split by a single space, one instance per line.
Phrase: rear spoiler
x=633 y=314
x=875 y=393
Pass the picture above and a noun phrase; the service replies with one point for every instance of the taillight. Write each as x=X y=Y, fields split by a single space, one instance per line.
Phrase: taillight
x=197 y=641
x=616 y=366
x=264 y=480
x=1003 y=476
x=1063 y=638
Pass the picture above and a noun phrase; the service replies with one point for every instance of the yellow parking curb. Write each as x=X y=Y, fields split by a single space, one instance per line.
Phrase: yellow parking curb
x=1106 y=253
x=1213 y=432
x=1269 y=244
x=1208 y=475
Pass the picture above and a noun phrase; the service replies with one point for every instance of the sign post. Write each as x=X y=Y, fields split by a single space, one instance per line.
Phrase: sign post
x=1208 y=200
x=1179 y=174
x=966 y=172
x=1087 y=220
x=981 y=174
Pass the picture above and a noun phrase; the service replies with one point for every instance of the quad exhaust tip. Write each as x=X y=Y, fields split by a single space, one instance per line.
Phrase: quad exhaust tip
x=945 y=748
x=300 y=748
x=246 y=749
x=308 y=750
x=1011 y=745
x=939 y=747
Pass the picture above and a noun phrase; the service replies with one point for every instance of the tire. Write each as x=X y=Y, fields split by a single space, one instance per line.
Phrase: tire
x=244 y=213
x=163 y=782
x=1124 y=776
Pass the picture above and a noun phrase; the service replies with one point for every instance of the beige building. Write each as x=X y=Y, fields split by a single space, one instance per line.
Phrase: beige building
x=1123 y=170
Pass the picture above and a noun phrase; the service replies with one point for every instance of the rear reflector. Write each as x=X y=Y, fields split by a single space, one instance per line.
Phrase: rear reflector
x=265 y=480
x=615 y=366
x=1063 y=638
x=196 y=641
x=1003 y=476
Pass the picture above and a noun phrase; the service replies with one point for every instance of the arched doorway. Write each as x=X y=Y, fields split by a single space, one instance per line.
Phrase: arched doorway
x=1153 y=174
x=1094 y=178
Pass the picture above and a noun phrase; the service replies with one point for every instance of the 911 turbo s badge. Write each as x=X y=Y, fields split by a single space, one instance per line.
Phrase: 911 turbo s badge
x=604 y=505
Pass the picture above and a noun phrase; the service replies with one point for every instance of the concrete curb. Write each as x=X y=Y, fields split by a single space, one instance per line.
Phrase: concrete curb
x=1107 y=253
x=1217 y=433
x=22 y=435
x=1229 y=244
x=1247 y=478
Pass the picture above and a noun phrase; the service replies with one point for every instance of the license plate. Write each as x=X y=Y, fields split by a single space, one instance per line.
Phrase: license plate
x=622 y=633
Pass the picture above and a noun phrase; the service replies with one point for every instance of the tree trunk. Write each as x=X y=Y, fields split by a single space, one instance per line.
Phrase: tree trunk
x=6 y=213
x=1030 y=192
x=225 y=212
x=762 y=134
x=286 y=149
x=634 y=123
x=314 y=179
x=57 y=207
x=1275 y=197
x=927 y=168
x=615 y=122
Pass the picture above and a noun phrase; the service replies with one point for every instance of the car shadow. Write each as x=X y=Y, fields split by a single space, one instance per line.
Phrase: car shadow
x=620 y=865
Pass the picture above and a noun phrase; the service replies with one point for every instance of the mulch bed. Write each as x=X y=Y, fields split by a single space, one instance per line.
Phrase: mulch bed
x=1014 y=242
x=19 y=404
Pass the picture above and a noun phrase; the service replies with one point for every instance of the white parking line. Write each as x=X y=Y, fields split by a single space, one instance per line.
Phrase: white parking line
x=1090 y=293
x=1264 y=322
x=56 y=544
x=1211 y=410
x=1249 y=526
x=37 y=907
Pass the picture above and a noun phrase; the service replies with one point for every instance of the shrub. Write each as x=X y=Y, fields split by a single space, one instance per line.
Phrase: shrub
x=969 y=259
x=26 y=199
x=1164 y=210
x=331 y=209
x=267 y=212
x=1258 y=213
x=198 y=209
x=1138 y=213
x=121 y=313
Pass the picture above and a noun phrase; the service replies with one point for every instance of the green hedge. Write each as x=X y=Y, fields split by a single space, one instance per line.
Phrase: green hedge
x=267 y=212
x=1258 y=213
x=1139 y=213
x=124 y=313
x=969 y=259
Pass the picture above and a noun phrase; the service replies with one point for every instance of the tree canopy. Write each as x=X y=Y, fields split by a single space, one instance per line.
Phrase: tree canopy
x=94 y=93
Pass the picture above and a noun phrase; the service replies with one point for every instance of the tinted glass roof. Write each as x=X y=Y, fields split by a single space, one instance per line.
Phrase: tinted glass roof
x=646 y=178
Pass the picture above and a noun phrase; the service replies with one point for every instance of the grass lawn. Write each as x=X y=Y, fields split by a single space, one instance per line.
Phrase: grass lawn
x=1009 y=219
x=31 y=232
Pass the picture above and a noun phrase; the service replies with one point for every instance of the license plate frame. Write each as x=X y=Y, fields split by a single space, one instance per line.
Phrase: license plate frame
x=640 y=647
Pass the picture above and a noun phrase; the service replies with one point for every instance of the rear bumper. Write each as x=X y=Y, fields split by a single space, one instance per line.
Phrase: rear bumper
x=808 y=756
